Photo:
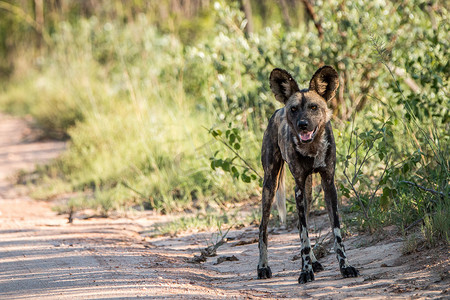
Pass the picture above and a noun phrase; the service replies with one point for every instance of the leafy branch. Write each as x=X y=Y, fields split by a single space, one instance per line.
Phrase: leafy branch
x=231 y=139
x=366 y=138
x=424 y=188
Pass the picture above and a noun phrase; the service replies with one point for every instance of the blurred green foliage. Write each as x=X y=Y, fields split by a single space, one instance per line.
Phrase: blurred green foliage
x=132 y=86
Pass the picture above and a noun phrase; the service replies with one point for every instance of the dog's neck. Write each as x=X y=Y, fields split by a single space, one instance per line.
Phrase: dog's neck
x=317 y=148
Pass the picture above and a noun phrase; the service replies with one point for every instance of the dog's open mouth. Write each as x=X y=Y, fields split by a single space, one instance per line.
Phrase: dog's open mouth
x=307 y=136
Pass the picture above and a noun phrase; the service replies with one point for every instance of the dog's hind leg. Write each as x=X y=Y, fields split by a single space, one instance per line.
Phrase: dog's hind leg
x=273 y=165
x=331 y=200
x=317 y=267
x=307 y=273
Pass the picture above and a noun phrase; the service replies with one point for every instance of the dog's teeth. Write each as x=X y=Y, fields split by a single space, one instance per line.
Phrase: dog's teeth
x=306 y=136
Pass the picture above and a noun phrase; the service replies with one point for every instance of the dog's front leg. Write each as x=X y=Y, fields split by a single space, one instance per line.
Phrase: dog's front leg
x=307 y=273
x=331 y=200
x=271 y=177
x=268 y=193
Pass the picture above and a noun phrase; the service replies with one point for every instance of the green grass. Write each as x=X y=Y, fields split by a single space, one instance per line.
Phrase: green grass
x=136 y=135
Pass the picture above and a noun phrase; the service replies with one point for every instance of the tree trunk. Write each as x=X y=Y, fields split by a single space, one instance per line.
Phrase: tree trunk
x=39 y=18
x=247 y=8
x=312 y=14
x=285 y=12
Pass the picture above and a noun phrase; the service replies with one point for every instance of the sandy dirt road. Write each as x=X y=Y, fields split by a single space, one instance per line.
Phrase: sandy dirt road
x=42 y=256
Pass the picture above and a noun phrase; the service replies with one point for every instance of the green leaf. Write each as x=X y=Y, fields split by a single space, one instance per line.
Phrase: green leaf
x=218 y=163
x=237 y=146
x=216 y=133
x=226 y=166
x=389 y=133
x=245 y=178
x=385 y=197
x=405 y=168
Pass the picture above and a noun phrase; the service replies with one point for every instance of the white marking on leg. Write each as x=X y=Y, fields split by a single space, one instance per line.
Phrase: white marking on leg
x=339 y=249
x=337 y=232
x=306 y=244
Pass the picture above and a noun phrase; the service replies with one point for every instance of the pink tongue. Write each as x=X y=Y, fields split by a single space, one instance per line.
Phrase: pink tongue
x=306 y=136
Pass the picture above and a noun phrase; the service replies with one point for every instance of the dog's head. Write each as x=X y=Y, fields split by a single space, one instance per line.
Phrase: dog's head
x=306 y=110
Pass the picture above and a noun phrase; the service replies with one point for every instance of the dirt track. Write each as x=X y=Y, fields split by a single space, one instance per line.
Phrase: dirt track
x=41 y=256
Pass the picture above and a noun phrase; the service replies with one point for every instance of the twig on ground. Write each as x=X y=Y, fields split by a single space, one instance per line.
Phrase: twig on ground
x=414 y=224
x=70 y=217
x=209 y=251
x=245 y=242
x=226 y=258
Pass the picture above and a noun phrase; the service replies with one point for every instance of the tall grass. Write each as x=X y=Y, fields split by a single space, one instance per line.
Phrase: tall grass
x=136 y=135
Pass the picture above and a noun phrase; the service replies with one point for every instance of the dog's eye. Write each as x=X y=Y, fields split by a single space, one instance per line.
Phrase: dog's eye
x=293 y=109
x=313 y=107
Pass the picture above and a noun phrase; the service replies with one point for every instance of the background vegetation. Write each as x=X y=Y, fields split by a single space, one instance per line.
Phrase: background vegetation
x=164 y=104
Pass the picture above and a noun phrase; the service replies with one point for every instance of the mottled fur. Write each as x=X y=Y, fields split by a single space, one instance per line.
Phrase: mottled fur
x=300 y=134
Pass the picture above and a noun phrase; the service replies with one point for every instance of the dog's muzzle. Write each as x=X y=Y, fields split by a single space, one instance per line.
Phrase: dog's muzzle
x=307 y=136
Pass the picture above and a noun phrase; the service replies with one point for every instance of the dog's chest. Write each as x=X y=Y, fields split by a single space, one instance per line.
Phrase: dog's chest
x=317 y=151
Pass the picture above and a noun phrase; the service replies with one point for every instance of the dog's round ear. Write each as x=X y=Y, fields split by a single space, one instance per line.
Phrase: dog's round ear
x=325 y=82
x=282 y=85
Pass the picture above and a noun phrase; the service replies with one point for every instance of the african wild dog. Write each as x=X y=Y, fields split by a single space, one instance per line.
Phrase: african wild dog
x=300 y=134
